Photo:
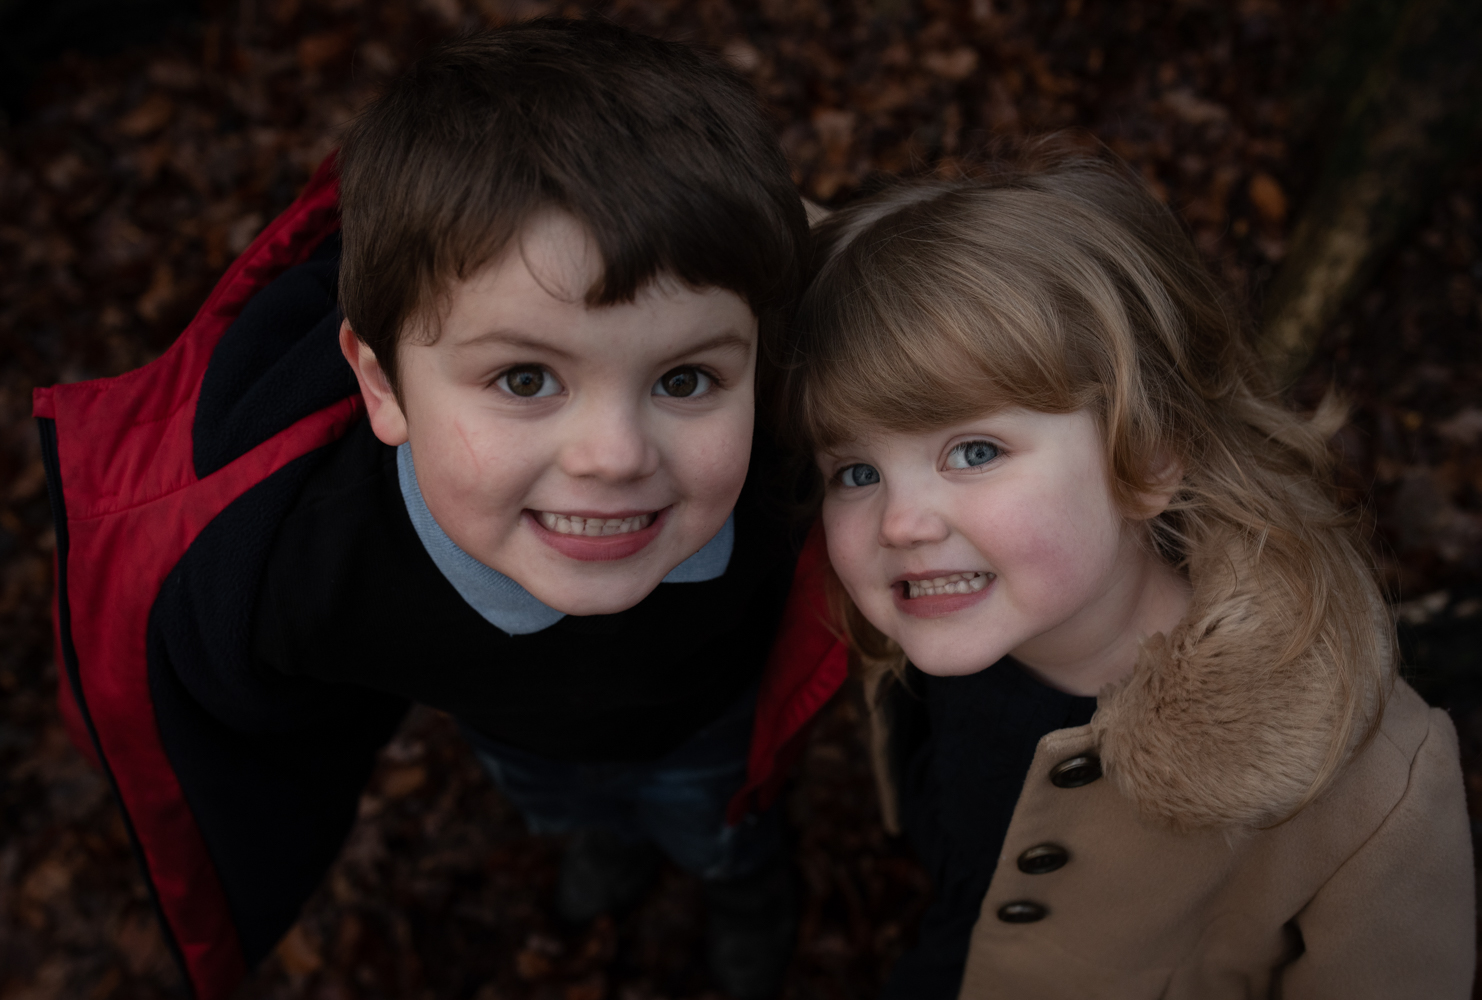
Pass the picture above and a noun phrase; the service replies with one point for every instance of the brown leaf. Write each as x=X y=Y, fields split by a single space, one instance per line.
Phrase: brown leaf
x=29 y=483
x=403 y=781
x=594 y=987
x=158 y=296
x=149 y=117
x=532 y=965
x=317 y=51
x=1464 y=427
x=241 y=233
x=1268 y=198
x=835 y=129
x=47 y=881
x=1192 y=109
x=61 y=172
x=742 y=55
x=298 y=954
x=139 y=941
x=955 y=65
x=107 y=983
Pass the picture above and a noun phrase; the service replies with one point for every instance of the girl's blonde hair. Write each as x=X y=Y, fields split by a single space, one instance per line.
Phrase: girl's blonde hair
x=1069 y=286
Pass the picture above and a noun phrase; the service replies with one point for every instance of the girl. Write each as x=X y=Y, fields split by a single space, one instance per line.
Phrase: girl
x=1132 y=676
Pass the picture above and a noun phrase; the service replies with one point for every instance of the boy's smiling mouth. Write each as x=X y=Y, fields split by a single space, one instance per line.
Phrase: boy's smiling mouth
x=594 y=527
x=593 y=538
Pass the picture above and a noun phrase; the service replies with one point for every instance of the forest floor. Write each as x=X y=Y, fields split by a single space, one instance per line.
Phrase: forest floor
x=130 y=180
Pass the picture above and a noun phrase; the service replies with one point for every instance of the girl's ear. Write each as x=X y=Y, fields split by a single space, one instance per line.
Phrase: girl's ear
x=1166 y=475
x=382 y=407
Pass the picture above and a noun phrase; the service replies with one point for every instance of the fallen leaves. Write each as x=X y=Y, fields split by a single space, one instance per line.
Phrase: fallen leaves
x=138 y=177
x=148 y=118
x=402 y=781
x=298 y=954
x=956 y=65
x=1268 y=198
x=315 y=52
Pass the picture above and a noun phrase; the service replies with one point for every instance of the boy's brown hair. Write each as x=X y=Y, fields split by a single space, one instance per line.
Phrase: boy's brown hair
x=661 y=151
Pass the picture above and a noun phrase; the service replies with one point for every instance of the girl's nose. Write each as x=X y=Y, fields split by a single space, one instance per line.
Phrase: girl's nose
x=611 y=444
x=905 y=524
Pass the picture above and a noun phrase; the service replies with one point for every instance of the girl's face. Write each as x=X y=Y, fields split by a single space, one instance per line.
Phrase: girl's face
x=997 y=536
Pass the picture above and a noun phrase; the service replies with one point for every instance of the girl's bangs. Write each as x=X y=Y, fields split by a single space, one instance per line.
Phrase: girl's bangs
x=907 y=345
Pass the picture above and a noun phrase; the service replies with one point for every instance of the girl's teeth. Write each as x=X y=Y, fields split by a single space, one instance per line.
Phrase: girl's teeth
x=592 y=527
x=955 y=583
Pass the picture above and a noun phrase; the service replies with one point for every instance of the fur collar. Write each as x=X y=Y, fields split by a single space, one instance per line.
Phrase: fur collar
x=1213 y=729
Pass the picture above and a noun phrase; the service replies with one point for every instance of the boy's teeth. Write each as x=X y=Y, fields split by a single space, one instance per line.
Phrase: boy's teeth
x=955 y=583
x=592 y=527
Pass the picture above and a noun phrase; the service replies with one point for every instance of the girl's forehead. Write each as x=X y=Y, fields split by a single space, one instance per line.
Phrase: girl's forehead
x=1006 y=421
x=1009 y=425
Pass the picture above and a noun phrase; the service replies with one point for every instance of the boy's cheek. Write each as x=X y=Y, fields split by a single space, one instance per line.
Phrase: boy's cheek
x=476 y=494
x=714 y=462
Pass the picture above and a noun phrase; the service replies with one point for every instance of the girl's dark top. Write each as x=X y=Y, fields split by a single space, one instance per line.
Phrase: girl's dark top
x=351 y=596
x=965 y=744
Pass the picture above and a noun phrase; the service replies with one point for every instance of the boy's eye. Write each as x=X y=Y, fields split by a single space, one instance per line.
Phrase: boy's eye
x=859 y=475
x=971 y=454
x=682 y=382
x=529 y=382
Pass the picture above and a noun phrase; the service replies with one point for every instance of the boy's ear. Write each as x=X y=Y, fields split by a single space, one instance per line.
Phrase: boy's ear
x=382 y=407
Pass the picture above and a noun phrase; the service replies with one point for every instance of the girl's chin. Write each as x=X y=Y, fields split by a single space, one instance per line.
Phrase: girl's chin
x=950 y=667
x=940 y=656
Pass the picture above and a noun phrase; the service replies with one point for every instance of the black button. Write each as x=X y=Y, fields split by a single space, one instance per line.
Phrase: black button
x=1043 y=858
x=1076 y=771
x=1022 y=912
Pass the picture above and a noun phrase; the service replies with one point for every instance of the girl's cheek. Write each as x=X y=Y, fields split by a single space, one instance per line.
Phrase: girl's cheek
x=850 y=543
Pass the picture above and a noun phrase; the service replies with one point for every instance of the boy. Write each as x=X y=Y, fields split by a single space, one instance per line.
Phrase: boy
x=566 y=252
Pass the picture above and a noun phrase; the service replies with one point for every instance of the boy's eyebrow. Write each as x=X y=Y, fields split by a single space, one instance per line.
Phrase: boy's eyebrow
x=729 y=340
x=514 y=339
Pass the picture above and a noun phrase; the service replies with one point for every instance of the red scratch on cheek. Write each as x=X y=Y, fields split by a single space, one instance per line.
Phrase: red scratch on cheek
x=467 y=444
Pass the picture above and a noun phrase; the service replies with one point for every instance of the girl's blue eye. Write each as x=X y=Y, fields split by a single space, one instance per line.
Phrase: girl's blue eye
x=528 y=382
x=971 y=454
x=681 y=382
x=859 y=475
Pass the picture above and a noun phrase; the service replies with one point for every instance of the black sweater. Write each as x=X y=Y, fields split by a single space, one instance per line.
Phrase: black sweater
x=965 y=744
x=351 y=596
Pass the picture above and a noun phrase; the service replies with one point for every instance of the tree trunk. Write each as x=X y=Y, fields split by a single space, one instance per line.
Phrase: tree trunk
x=1415 y=114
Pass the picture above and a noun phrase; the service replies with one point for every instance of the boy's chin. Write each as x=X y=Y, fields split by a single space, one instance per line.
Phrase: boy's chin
x=594 y=597
x=609 y=601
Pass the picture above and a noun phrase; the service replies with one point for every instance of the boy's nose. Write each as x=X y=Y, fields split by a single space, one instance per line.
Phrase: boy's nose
x=907 y=525
x=609 y=444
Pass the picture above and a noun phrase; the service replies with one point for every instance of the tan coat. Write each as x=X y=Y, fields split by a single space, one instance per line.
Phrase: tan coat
x=1173 y=881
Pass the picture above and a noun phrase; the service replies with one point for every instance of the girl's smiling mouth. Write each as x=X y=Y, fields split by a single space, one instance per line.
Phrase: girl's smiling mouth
x=595 y=537
x=934 y=594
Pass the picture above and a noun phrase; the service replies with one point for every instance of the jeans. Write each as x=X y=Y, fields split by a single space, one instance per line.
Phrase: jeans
x=677 y=802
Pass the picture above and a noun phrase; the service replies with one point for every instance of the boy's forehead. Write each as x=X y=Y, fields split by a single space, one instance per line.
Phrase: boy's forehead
x=537 y=299
x=556 y=253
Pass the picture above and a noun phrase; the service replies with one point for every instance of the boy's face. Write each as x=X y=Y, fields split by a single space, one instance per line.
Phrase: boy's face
x=582 y=452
